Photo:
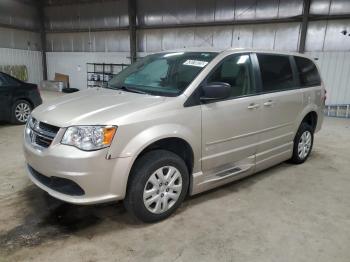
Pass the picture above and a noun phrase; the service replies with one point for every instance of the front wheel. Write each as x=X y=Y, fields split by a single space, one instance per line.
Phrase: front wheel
x=303 y=143
x=158 y=185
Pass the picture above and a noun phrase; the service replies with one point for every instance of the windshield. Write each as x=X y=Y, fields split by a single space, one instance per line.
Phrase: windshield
x=164 y=74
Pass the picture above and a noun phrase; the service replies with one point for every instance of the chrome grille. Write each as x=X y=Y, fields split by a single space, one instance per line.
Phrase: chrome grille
x=40 y=134
x=42 y=141
x=48 y=128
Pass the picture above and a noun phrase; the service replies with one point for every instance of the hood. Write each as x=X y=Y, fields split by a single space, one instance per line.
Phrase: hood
x=93 y=107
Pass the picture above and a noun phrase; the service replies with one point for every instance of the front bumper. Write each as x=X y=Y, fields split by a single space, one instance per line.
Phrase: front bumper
x=101 y=179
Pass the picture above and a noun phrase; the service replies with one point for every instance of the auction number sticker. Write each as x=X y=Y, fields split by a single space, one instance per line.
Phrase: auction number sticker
x=197 y=63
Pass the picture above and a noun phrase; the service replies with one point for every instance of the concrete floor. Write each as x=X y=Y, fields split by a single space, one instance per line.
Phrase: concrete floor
x=286 y=213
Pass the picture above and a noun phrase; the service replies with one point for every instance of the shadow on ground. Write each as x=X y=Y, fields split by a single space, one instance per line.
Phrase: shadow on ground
x=5 y=124
x=49 y=219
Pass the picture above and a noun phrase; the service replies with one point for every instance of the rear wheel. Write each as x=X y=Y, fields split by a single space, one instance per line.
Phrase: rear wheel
x=20 y=112
x=303 y=143
x=158 y=185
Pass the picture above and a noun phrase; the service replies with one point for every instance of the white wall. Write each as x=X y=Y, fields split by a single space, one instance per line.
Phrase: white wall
x=32 y=59
x=335 y=72
x=74 y=64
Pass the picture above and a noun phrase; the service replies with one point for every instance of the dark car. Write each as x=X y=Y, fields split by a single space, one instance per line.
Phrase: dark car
x=17 y=99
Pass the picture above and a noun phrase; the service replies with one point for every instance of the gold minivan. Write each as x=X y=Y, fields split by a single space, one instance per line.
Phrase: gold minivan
x=173 y=124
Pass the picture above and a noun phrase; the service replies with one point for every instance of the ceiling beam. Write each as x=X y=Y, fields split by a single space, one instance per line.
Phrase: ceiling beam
x=87 y=30
x=328 y=17
x=74 y=2
x=132 y=12
x=41 y=16
x=304 y=25
x=16 y=27
x=224 y=23
x=295 y=19
x=166 y=26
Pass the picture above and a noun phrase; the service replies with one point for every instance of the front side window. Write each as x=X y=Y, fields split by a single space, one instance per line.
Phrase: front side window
x=276 y=72
x=307 y=71
x=164 y=74
x=237 y=72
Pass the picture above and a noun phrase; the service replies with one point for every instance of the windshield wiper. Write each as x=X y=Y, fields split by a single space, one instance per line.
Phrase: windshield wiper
x=128 y=89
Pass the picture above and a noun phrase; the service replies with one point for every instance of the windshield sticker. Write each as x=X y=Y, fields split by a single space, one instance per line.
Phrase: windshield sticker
x=196 y=63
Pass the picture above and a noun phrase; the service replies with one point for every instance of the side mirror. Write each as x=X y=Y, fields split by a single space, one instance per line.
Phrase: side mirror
x=215 y=91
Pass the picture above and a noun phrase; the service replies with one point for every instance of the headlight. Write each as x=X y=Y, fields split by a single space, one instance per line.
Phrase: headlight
x=89 y=137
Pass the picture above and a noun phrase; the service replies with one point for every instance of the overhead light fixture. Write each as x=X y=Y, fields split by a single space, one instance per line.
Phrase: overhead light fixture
x=173 y=54
x=242 y=59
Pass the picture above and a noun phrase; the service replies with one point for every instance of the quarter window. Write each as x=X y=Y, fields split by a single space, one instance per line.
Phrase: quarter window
x=236 y=71
x=276 y=72
x=307 y=71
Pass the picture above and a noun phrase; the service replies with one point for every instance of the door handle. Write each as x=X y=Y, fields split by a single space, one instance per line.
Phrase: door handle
x=253 y=106
x=269 y=103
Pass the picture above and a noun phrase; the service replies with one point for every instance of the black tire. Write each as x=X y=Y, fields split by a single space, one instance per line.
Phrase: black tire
x=14 y=119
x=141 y=172
x=296 y=159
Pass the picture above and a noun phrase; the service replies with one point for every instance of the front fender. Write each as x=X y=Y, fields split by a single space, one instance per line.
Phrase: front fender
x=155 y=133
x=140 y=140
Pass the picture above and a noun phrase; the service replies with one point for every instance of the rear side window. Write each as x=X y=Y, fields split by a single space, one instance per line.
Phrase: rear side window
x=276 y=72
x=307 y=71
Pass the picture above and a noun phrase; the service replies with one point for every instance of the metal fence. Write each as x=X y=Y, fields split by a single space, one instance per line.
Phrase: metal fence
x=342 y=111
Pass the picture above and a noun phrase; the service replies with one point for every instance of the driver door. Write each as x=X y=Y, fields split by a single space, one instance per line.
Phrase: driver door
x=229 y=126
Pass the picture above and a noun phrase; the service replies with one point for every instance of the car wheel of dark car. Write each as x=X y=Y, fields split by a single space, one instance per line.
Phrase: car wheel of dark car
x=20 y=112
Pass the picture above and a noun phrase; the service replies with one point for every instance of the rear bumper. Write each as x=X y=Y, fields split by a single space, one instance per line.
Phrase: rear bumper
x=76 y=176
x=319 y=122
x=320 y=118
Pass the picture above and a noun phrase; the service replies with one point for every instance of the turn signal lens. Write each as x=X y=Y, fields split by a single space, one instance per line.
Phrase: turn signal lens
x=108 y=134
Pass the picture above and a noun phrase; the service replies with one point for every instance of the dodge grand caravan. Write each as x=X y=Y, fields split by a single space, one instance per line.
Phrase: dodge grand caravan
x=175 y=124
